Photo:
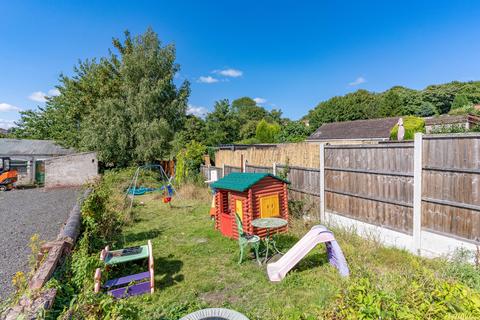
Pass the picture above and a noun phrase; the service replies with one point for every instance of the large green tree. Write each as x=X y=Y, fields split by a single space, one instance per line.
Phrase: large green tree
x=125 y=106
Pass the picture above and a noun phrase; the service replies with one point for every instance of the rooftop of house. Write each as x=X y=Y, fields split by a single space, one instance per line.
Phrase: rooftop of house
x=26 y=147
x=355 y=130
x=445 y=119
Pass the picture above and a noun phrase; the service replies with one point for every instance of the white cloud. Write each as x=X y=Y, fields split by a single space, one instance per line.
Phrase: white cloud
x=357 y=81
x=7 y=124
x=197 y=111
x=207 y=79
x=260 y=100
x=38 y=96
x=5 y=107
x=54 y=92
x=233 y=73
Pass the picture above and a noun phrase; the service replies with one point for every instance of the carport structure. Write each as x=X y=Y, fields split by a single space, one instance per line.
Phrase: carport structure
x=28 y=157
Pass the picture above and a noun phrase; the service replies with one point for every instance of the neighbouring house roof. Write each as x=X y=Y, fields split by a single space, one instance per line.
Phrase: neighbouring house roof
x=445 y=119
x=241 y=181
x=18 y=147
x=355 y=130
x=3 y=131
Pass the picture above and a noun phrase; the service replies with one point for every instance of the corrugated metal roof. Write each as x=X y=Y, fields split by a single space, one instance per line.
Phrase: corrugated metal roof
x=32 y=147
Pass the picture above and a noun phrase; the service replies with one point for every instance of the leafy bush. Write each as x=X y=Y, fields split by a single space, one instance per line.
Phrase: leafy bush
x=189 y=160
x=462 y=111
x=266 y=132
x=460 y=101
x=419 y=295
x=460 y=268
x=411 y=125
x=449 y=128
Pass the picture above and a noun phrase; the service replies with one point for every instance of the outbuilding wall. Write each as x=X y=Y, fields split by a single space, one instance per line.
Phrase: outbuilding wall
x=71 y=170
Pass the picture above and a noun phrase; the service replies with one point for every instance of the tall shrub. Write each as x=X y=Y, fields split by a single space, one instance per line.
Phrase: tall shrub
x=411 y=125
x=189 y=160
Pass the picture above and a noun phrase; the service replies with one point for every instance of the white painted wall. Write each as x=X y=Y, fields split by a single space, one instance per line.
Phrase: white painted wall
x=71 y=170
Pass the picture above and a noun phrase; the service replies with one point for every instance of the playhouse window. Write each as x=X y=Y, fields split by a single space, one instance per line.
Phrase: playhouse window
x=269 y=206
x=239 y=208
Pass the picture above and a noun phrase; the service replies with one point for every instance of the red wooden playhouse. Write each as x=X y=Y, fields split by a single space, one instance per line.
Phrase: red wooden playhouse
x=251 y=196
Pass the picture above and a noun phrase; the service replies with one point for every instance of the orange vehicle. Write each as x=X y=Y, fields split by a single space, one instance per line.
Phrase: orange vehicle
x=8 y=176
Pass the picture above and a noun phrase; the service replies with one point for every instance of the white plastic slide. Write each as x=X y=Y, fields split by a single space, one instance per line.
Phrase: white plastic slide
x=318 y=234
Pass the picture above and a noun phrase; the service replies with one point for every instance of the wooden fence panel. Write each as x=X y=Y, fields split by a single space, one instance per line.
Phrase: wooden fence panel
x=371 y=183
x=230 y=169
x=304 y=186
x=259 y=169
x=451 y=185
x=206 y=172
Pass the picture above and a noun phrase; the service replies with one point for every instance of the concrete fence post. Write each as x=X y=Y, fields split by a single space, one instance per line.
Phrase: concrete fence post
x=417 y=192
x=322 y=183
x=274 y=168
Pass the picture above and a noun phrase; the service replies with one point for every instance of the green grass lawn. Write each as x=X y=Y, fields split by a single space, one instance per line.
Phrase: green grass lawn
x=197 y=267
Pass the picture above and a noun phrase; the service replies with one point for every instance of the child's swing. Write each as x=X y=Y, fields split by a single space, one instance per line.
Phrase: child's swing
x=167 y=193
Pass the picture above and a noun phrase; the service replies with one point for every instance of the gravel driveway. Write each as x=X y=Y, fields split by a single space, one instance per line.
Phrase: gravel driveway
x=22 y=214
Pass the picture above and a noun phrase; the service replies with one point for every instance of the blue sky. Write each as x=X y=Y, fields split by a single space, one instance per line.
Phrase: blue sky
x=289 y=55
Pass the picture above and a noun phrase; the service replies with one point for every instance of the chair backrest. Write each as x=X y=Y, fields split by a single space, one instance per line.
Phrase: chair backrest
x=239 y=225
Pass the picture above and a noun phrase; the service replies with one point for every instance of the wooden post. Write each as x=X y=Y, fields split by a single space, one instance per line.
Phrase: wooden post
x=274 y=167
x=242 y=169
x=417 y=192
x=223 y=169
x=151 y=266
x=323 y=217
x=97 y=279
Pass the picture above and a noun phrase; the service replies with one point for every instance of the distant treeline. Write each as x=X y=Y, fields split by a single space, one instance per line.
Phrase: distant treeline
x=454 y=98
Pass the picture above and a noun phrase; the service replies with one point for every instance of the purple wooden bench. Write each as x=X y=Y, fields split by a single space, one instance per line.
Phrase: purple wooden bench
x=134 y=290
x=119 y=287
x=127 y=279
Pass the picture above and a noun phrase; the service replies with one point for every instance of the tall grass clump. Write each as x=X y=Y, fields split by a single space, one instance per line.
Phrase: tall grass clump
x=102 y=220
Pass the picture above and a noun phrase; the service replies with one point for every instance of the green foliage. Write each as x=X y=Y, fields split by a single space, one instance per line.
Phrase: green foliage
x=460 y=268
x=460 y=101
x=222 y=124
x=293 y=131
x=125 y=106
x=102 y=220
x=194 y=130
x=411 y=125
x=397 y=101
x=468 y=109
x=189 y=160
x=266 y=132
x=426 y=109
x=449 y=128
x=419 y=296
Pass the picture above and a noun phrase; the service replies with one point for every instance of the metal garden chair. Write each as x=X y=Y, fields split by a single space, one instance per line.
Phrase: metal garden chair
x=245 y=239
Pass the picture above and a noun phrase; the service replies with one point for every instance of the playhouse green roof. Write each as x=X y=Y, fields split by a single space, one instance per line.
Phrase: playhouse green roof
x=241 y=181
